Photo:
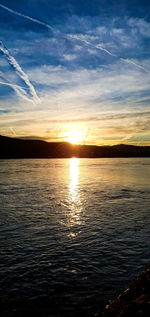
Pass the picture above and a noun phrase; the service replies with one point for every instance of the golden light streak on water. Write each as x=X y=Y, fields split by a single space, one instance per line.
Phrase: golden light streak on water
x=74 y=178
x=74 y=192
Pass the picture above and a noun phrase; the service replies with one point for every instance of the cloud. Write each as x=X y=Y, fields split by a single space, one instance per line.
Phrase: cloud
x=91 y=39
x=78 y=37
x=69 y=57
x=143 y=115
x=116 y=84
x=115 y=125
x=13 y=63
x=140 y=26
x=95 y=72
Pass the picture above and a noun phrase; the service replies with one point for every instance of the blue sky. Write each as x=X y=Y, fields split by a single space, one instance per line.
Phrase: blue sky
x=75 y=66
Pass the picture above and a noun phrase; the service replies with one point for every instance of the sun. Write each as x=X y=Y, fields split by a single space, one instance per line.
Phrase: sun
x=75 y=136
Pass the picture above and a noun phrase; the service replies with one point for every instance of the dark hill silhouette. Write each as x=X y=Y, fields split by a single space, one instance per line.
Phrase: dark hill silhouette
x=19 y=148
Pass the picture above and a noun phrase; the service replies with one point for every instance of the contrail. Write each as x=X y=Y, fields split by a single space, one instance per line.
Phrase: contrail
x=27 y=17
x=19 y=91
x=129 y=61
x=103 y=49
x=11 y=85
x=13 y=63
x=98 y=46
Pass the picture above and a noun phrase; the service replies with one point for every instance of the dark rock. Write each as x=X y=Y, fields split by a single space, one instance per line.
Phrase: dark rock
x=134 y=301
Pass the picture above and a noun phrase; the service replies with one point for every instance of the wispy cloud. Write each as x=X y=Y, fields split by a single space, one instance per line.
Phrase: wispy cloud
x=13 y=63
x=98 y=87
x=140 y=26
x=143 y=115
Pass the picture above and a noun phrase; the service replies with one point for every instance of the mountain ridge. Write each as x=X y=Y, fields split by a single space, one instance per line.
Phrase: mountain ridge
x=23 y=148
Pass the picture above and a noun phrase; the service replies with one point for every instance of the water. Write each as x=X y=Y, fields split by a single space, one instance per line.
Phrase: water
x=73 y=233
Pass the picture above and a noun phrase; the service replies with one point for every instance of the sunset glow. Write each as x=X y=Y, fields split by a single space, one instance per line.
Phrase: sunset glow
x=75 y=137
x=77 y=71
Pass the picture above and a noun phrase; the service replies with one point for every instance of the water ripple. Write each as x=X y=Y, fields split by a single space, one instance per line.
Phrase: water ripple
x=72 y=233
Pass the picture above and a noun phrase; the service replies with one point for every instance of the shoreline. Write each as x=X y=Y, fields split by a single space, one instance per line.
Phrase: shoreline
x=133 y=301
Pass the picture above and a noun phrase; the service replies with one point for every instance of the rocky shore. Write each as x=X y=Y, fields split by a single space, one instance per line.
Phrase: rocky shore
x=134 y=301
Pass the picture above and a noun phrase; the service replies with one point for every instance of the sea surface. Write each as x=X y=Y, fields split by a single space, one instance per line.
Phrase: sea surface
x=73 y=233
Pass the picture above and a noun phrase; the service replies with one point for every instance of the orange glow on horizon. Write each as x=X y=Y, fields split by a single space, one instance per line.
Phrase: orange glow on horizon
x=75 y=136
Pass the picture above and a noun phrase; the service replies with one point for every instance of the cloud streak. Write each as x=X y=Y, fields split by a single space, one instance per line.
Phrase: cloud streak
x=28 y=17
x=18 y=89
x=7 y=83
x=83 y=40
x=129 y=61
x=99 y=46
x=73 y=36
x=119 y=116
x=16 y=67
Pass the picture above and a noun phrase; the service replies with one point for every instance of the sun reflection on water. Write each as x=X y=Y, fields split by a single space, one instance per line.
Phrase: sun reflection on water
x=74 y=193
x=74 y=178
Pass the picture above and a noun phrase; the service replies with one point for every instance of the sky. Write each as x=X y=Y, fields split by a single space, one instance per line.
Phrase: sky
x=75 y=67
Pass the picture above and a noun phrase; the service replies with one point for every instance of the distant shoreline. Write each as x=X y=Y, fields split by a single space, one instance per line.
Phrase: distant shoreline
x=13 y=148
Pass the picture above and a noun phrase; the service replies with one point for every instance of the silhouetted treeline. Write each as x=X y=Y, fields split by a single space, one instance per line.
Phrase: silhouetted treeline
x=18 y=148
